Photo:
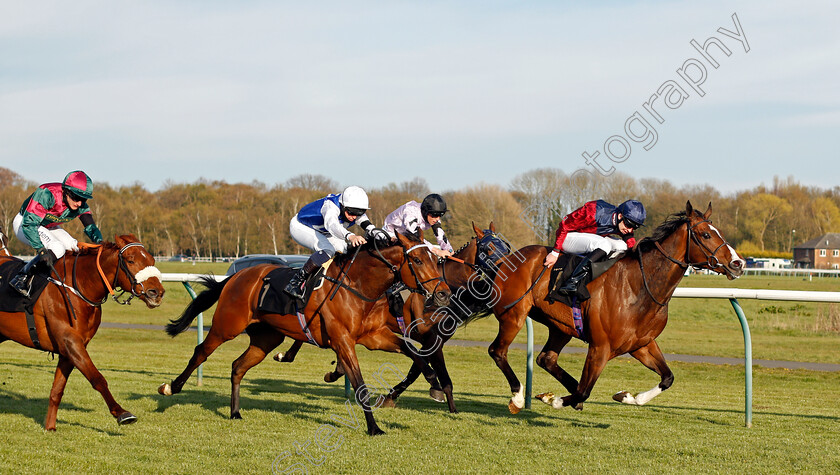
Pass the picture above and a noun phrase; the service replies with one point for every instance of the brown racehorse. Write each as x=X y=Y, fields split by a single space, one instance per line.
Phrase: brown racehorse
x=431 y=327
x=125 y=264
x=338 y=323
x=627 y=311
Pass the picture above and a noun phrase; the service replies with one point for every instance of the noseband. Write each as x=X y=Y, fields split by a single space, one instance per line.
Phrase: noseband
x=420 y=285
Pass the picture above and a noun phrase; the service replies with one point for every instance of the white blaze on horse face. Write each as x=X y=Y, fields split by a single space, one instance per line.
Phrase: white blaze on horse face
x=732 y=251
x=148 y=273
x=518 y=398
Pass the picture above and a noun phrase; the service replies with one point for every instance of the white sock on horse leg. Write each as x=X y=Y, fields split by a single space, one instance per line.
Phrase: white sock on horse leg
x=518 y=398
x=645 y=397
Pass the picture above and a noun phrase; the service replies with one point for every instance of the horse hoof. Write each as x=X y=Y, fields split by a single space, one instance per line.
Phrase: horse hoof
x=278 y=357
x=437 y=395
x=126 y=418
x=545 y=397
x=624 y=397
x=331 y=377
x=165 y=389
x=236 y=416
x=578 y=406
x=376 y=431
x=513 y=408
x=388 y=402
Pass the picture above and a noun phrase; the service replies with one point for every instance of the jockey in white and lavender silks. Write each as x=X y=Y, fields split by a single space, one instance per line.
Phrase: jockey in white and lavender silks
x=39 y=223
x=414 y=216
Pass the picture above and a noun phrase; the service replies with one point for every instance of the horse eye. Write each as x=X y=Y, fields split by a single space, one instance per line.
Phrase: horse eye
x=706 y=235
x=418 y=261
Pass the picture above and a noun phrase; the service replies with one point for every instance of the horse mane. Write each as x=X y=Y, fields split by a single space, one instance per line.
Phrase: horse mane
x=664 y=230
x=465 y=245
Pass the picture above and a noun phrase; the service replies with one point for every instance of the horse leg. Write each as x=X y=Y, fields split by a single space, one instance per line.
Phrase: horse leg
x=202 y=351
x=263 y=340
x=596 y=359
x=385 y=340
x=413 y=373
x=289 y=356
x=547 y=360
x=498 y=350
x=62 y=372
x=75 y=350
x=439 y=365
x=346 y=352
x=652 y=357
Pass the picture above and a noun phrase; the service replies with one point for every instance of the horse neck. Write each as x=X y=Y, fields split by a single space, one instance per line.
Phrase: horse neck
x=370 y=275
x=662 y=274
x=458 y=274
x=88 y=279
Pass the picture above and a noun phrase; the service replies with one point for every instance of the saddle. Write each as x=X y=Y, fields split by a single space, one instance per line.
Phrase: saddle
x=272 y=298
x=563 y=269
x=10 y=300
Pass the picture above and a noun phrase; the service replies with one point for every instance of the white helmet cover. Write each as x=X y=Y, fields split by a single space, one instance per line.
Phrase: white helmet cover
x=354 y=197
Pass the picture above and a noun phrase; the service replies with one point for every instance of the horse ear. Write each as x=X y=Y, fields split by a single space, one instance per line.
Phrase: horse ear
x=492 y=227
x=689 y=210
x=708 y=211
x=478 y=233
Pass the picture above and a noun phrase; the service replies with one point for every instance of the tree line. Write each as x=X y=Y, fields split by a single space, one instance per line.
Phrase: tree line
x=214 y=218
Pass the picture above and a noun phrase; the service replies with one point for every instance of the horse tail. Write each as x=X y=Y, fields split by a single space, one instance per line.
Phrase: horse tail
x=202 y=302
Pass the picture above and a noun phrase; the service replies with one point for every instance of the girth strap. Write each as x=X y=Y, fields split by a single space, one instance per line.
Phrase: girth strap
x=30 y=325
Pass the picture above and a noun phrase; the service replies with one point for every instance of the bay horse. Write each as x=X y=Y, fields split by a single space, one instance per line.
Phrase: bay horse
x=83 y=279
x=465 y=272
x=627 y=311
x=337 y=314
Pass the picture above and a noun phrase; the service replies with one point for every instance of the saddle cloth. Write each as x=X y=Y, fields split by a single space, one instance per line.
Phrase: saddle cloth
x=10 y=300
x=274 y=300
x=563 y=269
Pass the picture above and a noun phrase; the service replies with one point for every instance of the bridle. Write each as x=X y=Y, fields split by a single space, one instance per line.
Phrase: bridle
x=711 y=263
x=121 y=266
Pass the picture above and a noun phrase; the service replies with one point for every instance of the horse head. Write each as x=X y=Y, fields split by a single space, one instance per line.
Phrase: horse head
x=139 y=274
x=419 y=271
x=707 y=248
x=491 y=247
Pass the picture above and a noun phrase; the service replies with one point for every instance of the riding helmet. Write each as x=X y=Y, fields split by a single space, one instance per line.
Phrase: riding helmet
x=79 y=184
x=633 y=211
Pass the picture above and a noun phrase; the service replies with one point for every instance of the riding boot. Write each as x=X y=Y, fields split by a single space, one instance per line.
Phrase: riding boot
x=295 y=287
x=395 y=300
x=583 y=268
x=22 y=282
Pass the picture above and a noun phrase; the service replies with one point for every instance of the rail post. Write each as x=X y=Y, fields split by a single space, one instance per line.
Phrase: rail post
x=200 y=330
x=747 y=362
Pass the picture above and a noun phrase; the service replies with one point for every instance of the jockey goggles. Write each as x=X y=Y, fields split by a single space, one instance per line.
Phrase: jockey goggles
x=354 y=211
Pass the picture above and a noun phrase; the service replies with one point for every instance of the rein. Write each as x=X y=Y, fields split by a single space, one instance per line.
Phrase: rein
x=3 y=241
x=121 y=266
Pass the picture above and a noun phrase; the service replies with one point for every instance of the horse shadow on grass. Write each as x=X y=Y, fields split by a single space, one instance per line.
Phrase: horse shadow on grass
x=36 y=409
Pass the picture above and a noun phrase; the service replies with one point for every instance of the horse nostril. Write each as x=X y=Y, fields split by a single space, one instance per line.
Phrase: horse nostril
x=736 y=264
x=151 y=293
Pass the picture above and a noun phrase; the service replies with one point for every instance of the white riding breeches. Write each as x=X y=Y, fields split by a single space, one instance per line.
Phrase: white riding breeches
x=585 y=243
x=314 y=240
x=56 y=239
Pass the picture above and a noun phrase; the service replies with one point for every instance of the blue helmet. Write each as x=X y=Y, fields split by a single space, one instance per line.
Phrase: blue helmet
x=633 y=212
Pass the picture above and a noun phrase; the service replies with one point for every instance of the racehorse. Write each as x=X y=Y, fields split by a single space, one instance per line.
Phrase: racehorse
x=468 y=272
x=431 y=326
x=628 y=308
x=4 y=242
x=83 y=280
x=336 y=315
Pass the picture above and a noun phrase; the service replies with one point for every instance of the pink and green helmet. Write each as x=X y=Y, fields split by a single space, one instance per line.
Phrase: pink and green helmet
x=79 y=184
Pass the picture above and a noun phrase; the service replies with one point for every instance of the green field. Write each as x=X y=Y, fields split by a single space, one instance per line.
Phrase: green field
x=696 y=426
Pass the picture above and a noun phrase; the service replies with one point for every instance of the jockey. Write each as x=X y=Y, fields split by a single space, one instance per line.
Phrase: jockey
x=39 y=223
x=412 y=216
x=322 y=227
x=584 y=232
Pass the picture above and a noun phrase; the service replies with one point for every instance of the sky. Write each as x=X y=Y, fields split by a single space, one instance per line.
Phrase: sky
x=457 y=92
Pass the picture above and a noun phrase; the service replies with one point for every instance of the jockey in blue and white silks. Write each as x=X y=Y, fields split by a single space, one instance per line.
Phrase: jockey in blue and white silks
x=322 y=227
